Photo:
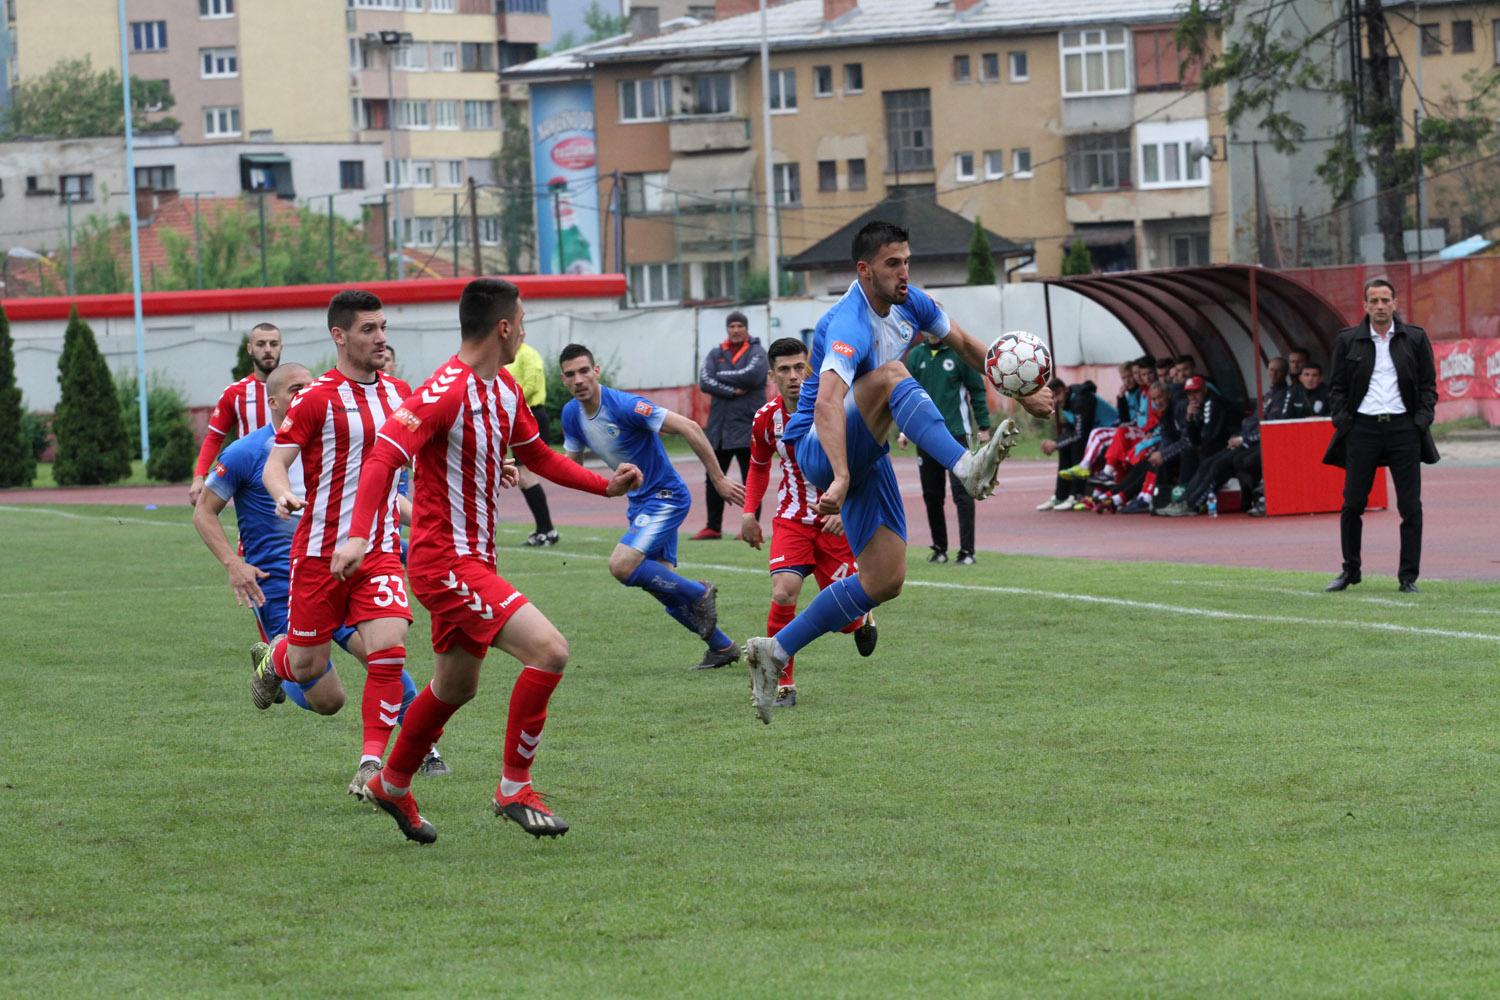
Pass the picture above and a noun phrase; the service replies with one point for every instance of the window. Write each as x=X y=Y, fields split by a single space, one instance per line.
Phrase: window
x=856 y=175
x=351 y=175
x=788 y=180
x=148 y=36
x=370 y=113
x=822 y=81
x=452 y=173
x=908 y=130
x=156 y=178
x=219 y=63
x=854 y=78
x=215 y=8
x=652 y=284
x=77 y=187
x=828 y=175
x=221 y=121
x=719 y=279
x=489 y=230
x=412 y=115
x=783 y=90
x=1463 y=36
x=644 y=100
x=709 y=94
x=441 y=6
x=1432 y=39
x=1020 y=68
x=994 y=164
x=1094 y=62
x=1171 y=153
x=477 y=57
x=479 y=114
x=1189 y=249
x=426 y=231
x=421 y=173
x=960 y=69
x=445 y=114
x=643 y=192
x=1159 y=62
x=989 y=67
x=1099 y=162
x=963 y=166
x=445 y=56
x=1020 y=163
x=412 y=58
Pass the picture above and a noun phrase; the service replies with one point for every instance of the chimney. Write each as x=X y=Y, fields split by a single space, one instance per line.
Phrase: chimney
x=734 y=8
x=959 y=6
x=835 y=9
x=645 y=22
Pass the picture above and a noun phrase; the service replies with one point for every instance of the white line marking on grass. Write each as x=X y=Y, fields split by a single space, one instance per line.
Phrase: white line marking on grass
x=114 y=518
x=1318 y=595
x=104 y=589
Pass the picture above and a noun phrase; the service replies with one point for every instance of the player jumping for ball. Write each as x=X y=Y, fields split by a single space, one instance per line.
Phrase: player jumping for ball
x=802 y=540
x=456 y=427
x=839 y=436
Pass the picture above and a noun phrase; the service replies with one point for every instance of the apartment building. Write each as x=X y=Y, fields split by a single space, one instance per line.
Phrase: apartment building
x=418 y=76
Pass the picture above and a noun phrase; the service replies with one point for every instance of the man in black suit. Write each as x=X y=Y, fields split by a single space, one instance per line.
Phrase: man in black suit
x=1382 y=395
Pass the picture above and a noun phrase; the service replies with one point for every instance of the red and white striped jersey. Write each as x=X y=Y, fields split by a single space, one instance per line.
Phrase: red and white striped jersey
x=334 y=422
x=795 y=496
x=242 y=408
x=456 y=427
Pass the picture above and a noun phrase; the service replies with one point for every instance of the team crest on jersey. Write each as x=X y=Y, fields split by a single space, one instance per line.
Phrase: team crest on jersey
x=947 y=364
x=407 y=419
x=839 y=347
x=906 y=329
x=286 y=424
x=219 y=470
x=643 y=408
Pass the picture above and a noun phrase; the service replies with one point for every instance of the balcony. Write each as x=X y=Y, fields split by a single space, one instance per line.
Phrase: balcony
x=1130 y=205
x=704 y=135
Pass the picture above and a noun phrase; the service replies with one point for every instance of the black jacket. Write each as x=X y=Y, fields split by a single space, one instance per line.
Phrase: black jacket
x=1300 y=403
x=1349 y=380
x=1210 y=429
x=738 y=388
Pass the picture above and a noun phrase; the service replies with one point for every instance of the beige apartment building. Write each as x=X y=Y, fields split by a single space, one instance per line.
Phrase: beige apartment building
x=1047 y=123
x=419 y=76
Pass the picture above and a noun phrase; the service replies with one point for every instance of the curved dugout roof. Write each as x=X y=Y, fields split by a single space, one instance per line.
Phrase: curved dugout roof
x=1206 y=312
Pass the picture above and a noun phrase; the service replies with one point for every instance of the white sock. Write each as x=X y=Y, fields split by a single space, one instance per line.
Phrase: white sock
x=965 y=463
x=779 y=651
x=509 y=788
x=368 y=756
x=390 y=789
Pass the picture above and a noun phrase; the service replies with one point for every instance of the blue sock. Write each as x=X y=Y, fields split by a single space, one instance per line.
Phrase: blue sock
x=342 y=635
x=297 y=692
x=719 y=641
x=836 y=605
x=666 y=586
x=408 y=694
x=920 y=420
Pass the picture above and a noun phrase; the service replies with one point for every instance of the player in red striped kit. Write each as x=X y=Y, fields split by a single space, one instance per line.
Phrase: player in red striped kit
x=242 y=407
x=331 y=425
x=456 y=428
x=802 y=540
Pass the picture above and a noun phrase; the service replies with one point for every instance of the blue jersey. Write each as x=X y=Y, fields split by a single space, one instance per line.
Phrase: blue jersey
x=852 y=339
x=625 y=428
x=265 y=538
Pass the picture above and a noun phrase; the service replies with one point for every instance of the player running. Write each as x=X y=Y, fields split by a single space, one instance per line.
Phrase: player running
x=331 y=426
x=839 y=436
x=243 y=405
x=619 y=428
x=456 y=428
x=802 y=540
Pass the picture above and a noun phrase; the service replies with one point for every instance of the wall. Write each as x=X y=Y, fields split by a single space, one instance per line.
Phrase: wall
x=38 y=221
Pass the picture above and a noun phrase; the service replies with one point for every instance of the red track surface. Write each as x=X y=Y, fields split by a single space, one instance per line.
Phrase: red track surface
x=1460 y=539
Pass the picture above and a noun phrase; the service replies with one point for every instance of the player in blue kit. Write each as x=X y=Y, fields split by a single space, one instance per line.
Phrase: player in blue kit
x=620 y=428
x=260 y=575
x=840 y=429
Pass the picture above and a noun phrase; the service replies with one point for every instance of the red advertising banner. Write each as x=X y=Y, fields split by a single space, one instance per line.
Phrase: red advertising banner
x=1467 y=369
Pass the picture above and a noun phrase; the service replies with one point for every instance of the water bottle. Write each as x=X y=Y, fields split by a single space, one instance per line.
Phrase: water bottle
x=1213 y=503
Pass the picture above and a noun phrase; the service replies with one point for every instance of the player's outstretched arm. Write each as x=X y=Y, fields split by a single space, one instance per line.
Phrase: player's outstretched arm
x=967 y=347
x=828 y=419
x=244 y=579
x=676 y=423
x=553 y=467
x=756 y=481
x=276 y=478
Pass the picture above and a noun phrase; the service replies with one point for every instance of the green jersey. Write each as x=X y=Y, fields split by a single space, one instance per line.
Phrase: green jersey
x=956 y=389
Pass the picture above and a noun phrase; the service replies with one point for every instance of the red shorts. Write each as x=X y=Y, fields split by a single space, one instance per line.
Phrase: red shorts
x=797 y=548
x=319 y=604
x=469 y=602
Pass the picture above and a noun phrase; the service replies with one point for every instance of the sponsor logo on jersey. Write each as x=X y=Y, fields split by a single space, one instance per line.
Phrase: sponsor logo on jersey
x=286 y=424
x=643 y=408
x=406 y=418
x=839 y=347
x=219 y=469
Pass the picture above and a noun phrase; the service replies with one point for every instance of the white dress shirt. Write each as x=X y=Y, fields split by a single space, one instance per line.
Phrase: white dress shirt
x=1384 y=394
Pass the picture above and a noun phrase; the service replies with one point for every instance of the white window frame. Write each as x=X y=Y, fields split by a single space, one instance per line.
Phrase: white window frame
x=653 y=192
x=412 y=115
x=854 y=90
x=1010 y=62
x=1016 y=156
x=440 y=7
x=445 y=115
x=1103 y=42
x=221 y=63
x=783 y=175
x=153 y=35
x=779 y=92
x=410 y=58
x=211 y=10
x=445 y=56
x=962 y=172
x=489 y=230
x=818 y=91
x=421 y=173
x=1178 y=141
x=472 y=121
x=228 y=115
x=644 y=276
x=663 y=96
x=452 y=173
x=994 y=164
x=426 y=231
x=688 y=84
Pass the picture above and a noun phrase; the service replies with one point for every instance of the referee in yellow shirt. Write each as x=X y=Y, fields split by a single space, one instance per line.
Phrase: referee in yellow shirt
x=531 y=375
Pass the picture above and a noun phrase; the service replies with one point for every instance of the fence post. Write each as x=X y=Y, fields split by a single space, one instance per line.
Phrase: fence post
x=453 y=233
x=68 y=201
x=261 y=208
x=385 y=225
x=332 y=267
x=197 y=240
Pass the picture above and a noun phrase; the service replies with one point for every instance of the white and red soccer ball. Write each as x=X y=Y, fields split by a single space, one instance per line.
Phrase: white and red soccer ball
x=1018 y=363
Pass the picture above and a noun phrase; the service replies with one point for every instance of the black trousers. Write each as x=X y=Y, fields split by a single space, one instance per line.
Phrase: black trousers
x=711 y=498
x=1247 y=469
x=934 y=475
x=1068 y=456
x=1396 y=444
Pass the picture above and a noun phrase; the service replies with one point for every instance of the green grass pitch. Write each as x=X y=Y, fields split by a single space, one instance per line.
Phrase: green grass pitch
x=1055 y=778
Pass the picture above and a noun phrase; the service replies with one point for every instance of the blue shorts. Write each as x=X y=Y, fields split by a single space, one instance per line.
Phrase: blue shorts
x=874 y=498
x=270 y=617
x=654 y=521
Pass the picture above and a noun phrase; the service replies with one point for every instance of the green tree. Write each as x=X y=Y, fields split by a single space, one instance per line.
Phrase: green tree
x=72 y=100
x=97 y=263
x=1078 y=260
x=513 y=168
x=92 y=445
x=296 y=251
x=17 y=461
x=244 y=364
x=602 y=24
x=981 y=261
x=756 y=286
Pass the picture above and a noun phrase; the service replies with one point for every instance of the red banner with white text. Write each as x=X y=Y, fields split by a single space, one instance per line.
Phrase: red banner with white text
x=1467 y=369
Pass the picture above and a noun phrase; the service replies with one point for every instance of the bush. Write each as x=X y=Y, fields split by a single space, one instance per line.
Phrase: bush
x=173 y=455
x=36 y=428
x=981 y=263
x=173 y=449
x=756 y=286
x=1078 y=260
x=558 y=394
x=244 y=364
x=92 y=445
x=17 y=460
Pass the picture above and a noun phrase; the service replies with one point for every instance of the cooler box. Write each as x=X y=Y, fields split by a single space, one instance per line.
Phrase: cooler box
x=1296 y=480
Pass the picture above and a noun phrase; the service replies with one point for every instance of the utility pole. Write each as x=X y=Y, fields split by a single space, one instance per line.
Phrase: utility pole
x=773 y=268
x=197 y=239
x=453 y=232
x=68 y=202
x=332 y=267
x=557 y=190
x=260 y=203
x=135 y=241
x=474 y=227
x=390 y=41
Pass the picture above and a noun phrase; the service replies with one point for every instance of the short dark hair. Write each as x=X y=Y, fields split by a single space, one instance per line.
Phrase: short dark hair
x=1057 y=384
x=873 y=236
x=1294 y=349
x=1145 y=361
x=785 y=347
x=264 y=326
x=1373 y=282
x=1187 y=359
x=343 y=306
x=390 y=348
x=575 y=351
x=1165 y=361
x=484 y=303
x=1312 y=366
x=736 y=317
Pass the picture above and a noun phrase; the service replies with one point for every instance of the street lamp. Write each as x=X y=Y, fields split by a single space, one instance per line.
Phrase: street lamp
x=390 y=41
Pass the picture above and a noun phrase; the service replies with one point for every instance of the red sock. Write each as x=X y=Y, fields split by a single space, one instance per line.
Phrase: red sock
x=425 y=718
x=279 y=661
x=523 y=726
x=854 y=626
x=382 y=698
x=780 y=616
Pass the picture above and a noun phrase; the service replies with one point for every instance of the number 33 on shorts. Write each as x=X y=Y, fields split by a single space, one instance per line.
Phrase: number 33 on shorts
x=390 y=590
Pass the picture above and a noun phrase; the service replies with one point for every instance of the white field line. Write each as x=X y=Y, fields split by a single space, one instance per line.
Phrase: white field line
x=1318 y=595
x=103 y=518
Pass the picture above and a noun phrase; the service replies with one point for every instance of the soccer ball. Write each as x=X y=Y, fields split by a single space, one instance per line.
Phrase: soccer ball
x=1018 y=363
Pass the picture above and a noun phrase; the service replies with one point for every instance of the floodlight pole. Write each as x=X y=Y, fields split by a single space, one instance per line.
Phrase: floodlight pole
x=135 y=242
x=772 y=267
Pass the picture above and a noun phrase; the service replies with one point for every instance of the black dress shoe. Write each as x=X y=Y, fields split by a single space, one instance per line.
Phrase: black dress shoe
x=1409 y=587
x=1341 y=582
